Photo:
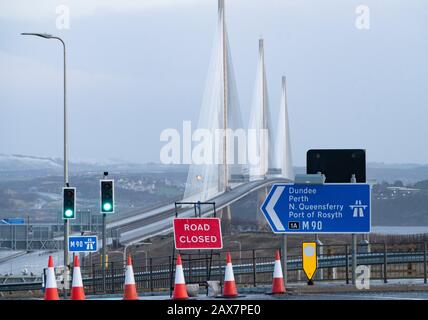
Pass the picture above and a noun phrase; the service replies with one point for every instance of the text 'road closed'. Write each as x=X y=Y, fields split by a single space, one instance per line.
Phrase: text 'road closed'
x=197 y=233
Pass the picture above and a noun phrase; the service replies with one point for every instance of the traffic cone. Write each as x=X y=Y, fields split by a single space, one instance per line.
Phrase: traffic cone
x=51 y=289
x=130 y=290
x=77 y=291
x=229 y=289
x=278 y=278
x=180 y=291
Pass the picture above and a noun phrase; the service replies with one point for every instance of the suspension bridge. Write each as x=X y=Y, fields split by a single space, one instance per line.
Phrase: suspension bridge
x=225 y=181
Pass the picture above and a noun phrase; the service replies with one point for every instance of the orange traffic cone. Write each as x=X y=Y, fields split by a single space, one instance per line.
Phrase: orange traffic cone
x=180 y=291
x=51 y=289
x=130 y=290
x=229 y=289
x=77 y=291
x=278 y=278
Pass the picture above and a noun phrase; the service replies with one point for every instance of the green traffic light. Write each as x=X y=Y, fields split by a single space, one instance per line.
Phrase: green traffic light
x=68 y=213
x=107 y=206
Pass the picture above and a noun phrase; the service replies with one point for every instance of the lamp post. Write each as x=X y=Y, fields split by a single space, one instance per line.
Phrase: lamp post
x=130 y=244
x=66 y=221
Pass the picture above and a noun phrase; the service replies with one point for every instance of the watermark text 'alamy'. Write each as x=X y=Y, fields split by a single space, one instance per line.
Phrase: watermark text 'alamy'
x=204 y=146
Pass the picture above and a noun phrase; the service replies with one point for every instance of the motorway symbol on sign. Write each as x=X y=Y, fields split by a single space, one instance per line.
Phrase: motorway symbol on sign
x=323 y=208
x=197 y=233
x=83 y=244
x=309 y=259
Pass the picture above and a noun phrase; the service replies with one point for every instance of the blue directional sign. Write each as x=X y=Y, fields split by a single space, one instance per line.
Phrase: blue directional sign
x=83 y=244
x=12 y=221
x=323 y=208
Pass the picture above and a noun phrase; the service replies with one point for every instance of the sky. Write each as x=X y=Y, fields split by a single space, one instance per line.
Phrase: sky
x=136 y=68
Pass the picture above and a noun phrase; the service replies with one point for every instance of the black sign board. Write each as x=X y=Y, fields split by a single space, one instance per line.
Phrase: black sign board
x=337 y=165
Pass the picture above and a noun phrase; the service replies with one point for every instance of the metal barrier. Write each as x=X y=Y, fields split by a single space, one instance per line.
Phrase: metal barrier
x=253 y=268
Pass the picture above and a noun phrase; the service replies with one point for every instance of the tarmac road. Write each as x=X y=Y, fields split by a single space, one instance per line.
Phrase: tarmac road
x=319 y=296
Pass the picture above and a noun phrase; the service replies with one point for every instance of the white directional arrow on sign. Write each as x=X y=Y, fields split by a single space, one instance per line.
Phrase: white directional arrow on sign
x=270 y=208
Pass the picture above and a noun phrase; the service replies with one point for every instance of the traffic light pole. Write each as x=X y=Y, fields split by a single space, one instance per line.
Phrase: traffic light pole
x=104 y=247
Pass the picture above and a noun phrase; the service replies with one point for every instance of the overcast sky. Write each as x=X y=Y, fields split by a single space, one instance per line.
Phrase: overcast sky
x=138 y=67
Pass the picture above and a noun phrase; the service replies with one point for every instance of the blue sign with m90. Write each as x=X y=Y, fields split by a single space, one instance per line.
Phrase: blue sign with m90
x=324 y=208
x=83 y=244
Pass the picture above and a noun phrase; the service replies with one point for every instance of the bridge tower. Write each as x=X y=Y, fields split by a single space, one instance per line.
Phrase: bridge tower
x=223 y=177
x=260 y=124
x=220 y=111
x=283 y=159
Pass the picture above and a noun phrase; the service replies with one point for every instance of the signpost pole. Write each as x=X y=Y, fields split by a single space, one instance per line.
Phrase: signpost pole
x=425 y=262
x=354 y=245
x=354 y=257
x=284 y=258
x=320 y=251
x=347 y=264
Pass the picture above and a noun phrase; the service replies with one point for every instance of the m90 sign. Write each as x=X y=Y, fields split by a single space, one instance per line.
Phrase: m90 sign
x=324 y=208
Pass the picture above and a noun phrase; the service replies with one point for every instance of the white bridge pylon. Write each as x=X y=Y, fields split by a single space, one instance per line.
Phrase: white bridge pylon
x=220 y=110
x=260 y=123
x=283 y=159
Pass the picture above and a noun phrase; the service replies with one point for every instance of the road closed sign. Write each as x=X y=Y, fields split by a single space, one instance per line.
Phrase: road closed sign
x=197 y=233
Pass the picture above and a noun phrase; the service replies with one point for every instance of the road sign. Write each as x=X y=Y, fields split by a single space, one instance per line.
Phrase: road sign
x=12 y=221
x=338 y=165
x=197 y=233
x=324 y=208
x=83 y=244
x=309 y=259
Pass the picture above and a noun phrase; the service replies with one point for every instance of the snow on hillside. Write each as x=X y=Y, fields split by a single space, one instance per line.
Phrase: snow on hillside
x=16 y=162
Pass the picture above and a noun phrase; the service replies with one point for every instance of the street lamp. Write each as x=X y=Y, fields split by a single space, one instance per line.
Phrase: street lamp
x=130 y=244
x=66 y=221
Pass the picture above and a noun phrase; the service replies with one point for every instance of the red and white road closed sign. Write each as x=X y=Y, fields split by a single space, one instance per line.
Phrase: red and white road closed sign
x=197 y=233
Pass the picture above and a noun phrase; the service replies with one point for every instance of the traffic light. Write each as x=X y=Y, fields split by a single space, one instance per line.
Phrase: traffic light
x=107 y=196
x=68 y=203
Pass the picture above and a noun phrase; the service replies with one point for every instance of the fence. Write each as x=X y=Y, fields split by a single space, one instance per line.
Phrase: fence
x=46 y=236
x=254 y=268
